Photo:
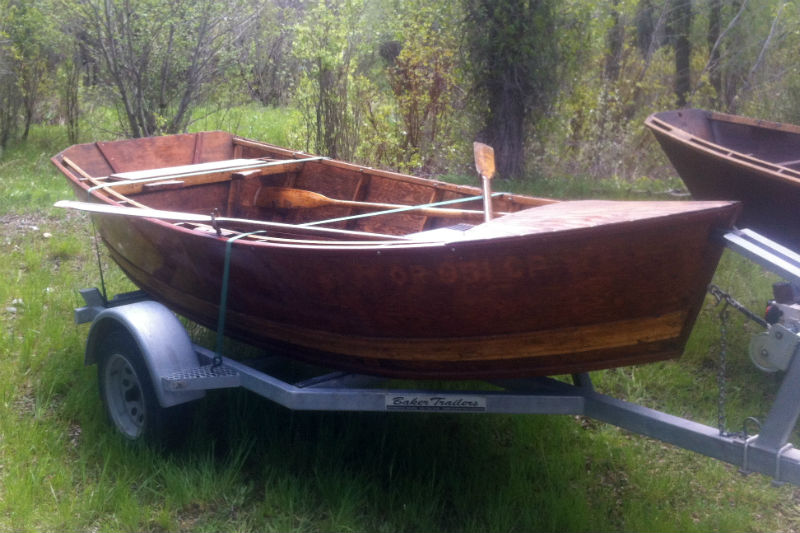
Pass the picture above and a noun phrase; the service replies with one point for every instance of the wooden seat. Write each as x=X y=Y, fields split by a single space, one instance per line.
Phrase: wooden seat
x=137 y=181
x=228 y=165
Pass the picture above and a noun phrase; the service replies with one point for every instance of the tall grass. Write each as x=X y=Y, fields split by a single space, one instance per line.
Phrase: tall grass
x=251 y=465
x=252 y=121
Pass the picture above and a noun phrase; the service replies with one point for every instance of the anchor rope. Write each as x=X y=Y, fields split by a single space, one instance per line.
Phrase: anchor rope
x=223 y=297
x=99 y=259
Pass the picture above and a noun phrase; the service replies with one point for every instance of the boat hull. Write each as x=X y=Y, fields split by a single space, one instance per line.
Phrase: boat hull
x=562 y=288
x=727 y=157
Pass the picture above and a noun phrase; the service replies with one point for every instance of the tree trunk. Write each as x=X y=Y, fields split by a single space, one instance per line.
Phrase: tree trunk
x=513 y=47
x=615 y=38
x=714 y=73
x=683 y=50
x=507 y=125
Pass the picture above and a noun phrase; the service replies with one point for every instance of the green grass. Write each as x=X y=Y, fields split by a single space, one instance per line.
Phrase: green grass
x=251 y=121
x=251 y=465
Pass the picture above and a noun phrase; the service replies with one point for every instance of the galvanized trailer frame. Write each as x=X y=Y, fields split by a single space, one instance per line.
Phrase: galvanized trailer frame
x=182 y=371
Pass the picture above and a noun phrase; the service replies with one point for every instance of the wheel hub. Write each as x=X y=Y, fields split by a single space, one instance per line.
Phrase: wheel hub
x=124 y=396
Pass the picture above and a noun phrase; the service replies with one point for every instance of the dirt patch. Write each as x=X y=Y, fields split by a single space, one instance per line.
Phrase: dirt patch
x=22 y=223
x=36 y=221
x=42 y=224
x=25 y=403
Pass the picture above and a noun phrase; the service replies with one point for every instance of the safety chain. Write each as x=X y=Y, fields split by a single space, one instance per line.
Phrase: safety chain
x=728 y=301
x=722 y=372
x=720 y=295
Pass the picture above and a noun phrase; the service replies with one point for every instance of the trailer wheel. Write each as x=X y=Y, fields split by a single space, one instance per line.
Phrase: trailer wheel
x=128 y=395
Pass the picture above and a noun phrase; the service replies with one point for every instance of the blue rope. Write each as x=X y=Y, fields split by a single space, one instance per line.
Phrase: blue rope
x=223 y=297
x=397 y=210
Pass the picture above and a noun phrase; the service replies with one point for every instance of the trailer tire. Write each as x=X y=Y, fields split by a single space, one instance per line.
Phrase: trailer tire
x=127 y=392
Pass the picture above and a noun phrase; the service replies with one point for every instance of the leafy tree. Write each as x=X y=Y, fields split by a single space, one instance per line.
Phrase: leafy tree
x=557 y=86
x=70 y=81
x=712 y=38
x=35 y=53
x=681 y=27
x=512 y=45
x=27 y=57
x=422 y=72
x=744 y=38
x=9 y=92
x=264 y=50
x=327 y=47
x=159 y=59
x=615 y=38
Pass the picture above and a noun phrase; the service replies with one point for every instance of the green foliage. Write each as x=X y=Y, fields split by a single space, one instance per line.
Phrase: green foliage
x=264 y=53
x=422 y=69
x=395 y=111
x=268 y=124
x=28 y=54
x=69 y=81
x=158 y=58
x=744 y=45
x=773 y=92
x=329 y=42
x=406 y=84
x=513 y=51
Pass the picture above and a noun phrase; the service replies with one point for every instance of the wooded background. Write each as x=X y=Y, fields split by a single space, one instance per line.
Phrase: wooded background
x=558 y=87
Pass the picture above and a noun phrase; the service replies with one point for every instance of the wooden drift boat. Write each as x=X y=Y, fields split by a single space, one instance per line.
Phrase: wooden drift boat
x=727 y=157
x=432 y=291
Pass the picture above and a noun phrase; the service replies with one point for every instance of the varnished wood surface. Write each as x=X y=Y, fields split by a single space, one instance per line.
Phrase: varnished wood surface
x=553 y=287
x=728 y=157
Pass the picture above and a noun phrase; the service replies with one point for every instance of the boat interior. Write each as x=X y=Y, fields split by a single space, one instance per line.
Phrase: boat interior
x=235 y=178
x=770 y=143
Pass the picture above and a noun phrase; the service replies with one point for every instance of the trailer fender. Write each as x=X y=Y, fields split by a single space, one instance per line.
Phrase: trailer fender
x=161 y=338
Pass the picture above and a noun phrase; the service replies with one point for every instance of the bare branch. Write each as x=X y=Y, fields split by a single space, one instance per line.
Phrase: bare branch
x=710 y=63
x=765 y=46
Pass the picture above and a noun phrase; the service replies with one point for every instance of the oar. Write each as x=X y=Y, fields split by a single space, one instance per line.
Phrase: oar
x=288 y=198
x=484 y=162
x=85 y=176
x=107 y=209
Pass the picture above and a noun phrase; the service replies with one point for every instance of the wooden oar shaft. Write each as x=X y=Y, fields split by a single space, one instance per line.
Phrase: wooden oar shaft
x=76 y=168
x=484 y=163
x=107 y=209
x=288 y=198
x=97 y=182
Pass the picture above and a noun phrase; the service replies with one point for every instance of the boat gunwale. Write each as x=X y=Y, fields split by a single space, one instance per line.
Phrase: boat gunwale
x=261 y=240
x=451 y=246
x=103 y=192
x=714 y=149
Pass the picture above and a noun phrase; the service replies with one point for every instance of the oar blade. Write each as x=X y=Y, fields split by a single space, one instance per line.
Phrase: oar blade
x=484 y=160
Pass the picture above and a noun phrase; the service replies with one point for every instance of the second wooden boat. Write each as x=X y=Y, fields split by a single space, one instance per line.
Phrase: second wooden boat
x=728 y=157
x=323 y=258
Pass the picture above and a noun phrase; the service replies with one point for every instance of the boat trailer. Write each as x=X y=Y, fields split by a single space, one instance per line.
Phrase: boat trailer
x=162 y=368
